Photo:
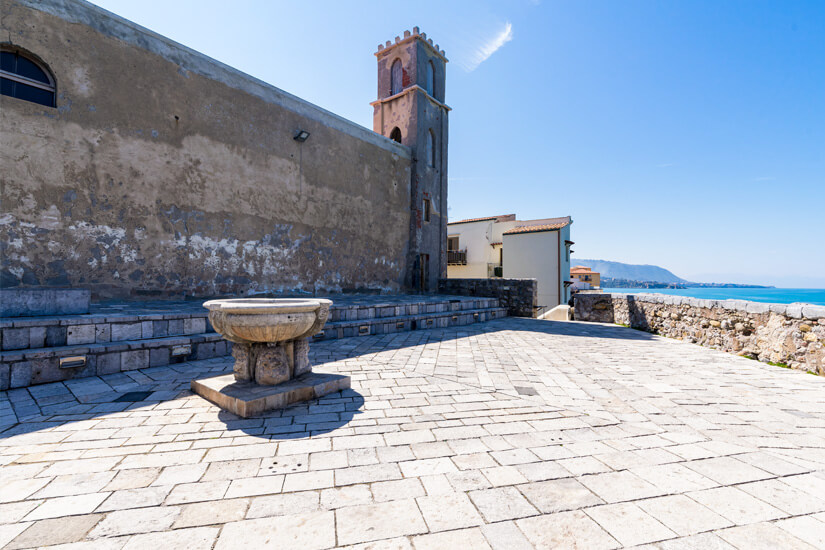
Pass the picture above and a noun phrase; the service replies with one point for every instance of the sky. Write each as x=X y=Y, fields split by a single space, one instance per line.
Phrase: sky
x=685 y=134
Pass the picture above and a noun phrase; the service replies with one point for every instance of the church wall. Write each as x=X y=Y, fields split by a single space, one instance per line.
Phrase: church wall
x=164 y=173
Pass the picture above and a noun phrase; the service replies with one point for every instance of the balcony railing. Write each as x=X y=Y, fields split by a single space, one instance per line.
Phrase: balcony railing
x=456 y=257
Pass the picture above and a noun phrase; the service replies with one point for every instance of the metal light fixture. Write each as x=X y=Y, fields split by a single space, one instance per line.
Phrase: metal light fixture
x=301 y=136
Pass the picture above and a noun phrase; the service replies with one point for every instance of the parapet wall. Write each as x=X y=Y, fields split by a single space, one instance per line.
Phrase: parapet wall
x=519 y=296
x=792 y=334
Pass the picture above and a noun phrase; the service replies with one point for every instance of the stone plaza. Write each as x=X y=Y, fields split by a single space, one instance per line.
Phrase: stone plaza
x=515 y=433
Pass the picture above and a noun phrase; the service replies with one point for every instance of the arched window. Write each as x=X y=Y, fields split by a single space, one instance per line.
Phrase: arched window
x=430 y=148
x=395 y=135
x=25 y=79
x=396 y=76
x=431 y=79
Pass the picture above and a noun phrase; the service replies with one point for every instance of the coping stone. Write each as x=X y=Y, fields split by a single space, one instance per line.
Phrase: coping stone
x=16 y=302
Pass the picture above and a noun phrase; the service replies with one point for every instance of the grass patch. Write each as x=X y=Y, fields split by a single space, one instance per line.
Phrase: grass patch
x=777 y=364
x=623 y=325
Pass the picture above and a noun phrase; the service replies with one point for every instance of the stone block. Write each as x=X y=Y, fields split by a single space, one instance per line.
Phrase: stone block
x=37 y=337
x=5 y=376
x=194 y=325
x=757 y=307
x=160 y=329
x=48 y=370
x=37 y=302
x=15 y=338
x=108 y=363
x=103 y=333
x=794 y=311
x=56 y=336
x=813 y=312
x=126 y=331
x=205 y=350
x=175 y=326
x=146 y=329
x=247 y=399
x=20 y=375
x=80 y=334
x=136 y=359
x=158 y=357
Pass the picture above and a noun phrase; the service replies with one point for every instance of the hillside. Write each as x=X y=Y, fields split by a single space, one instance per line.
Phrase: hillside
x=618 y=270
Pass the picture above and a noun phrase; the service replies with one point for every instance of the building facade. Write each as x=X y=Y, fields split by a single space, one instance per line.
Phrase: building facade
x=584 y=278
x=137 y=167
x=502 y=246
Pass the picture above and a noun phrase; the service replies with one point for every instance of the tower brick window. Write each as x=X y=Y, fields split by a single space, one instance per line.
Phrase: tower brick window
x=396 y=77
x=395 y=135
x=430 y=148
x=430 y=78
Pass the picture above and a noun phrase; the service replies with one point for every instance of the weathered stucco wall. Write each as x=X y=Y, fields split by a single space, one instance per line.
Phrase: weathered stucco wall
x=162 y=172
x=779 y=333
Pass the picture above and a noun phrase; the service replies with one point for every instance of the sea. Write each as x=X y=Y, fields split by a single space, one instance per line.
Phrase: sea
x=814 y=296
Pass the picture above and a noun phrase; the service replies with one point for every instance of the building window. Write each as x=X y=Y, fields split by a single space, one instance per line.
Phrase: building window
x=23 y=78
x=395 y=135
x=452 y=244
x=430 y=79
x=396 y=77
x=427 y=208
x=430 y=148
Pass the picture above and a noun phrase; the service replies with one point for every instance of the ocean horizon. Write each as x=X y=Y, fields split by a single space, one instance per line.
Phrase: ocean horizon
x=814 y=296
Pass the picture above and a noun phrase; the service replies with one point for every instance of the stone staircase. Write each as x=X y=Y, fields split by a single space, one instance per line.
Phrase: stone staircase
x=120 y=337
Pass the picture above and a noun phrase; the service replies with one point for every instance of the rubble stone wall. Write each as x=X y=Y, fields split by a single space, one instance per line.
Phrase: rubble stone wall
x=519 y=296
x=790 y=334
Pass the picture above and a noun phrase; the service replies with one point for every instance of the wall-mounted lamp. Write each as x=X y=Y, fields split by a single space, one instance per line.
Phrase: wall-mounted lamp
x=301 y=136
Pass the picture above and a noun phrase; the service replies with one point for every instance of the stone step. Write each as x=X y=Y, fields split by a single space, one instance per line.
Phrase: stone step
x=22 y=333
x=388 y=325
x=74 y=346
x=390 y=309
x=21 y=368
x=97 y=328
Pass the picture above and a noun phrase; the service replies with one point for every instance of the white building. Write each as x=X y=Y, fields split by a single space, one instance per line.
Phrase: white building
x=502 y=246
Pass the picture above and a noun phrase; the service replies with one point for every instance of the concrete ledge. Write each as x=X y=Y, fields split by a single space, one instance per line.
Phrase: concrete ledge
x=37 y=302
x=248 y=399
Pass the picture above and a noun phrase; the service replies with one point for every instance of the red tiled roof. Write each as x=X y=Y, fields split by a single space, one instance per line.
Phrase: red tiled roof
x=536 y=228
x=584 y=270
x=480 y=219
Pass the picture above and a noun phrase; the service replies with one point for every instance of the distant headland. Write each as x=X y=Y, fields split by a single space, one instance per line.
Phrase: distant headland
x=621 y=275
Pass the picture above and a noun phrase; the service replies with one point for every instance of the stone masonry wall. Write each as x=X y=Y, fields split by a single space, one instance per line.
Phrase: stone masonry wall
x=519 y=296
x=779 y=333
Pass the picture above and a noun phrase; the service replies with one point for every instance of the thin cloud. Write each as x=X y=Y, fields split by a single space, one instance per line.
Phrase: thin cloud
x=482 y=53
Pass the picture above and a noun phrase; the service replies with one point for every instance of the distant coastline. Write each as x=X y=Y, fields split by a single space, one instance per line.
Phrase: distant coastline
x=613 y=282
x=771 y=295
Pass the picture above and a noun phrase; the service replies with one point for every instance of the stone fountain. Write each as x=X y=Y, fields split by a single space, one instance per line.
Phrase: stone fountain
x=271 y=346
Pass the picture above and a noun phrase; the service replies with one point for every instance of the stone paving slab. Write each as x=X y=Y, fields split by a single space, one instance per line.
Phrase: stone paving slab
x=518 y=433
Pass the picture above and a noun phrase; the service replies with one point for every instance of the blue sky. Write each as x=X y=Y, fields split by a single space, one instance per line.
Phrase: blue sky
x=685 y=134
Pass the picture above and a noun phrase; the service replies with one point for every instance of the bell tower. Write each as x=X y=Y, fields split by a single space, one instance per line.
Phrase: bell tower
x=410 y=109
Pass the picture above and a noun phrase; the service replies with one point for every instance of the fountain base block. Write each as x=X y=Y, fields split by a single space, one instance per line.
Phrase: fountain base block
x=248 y=399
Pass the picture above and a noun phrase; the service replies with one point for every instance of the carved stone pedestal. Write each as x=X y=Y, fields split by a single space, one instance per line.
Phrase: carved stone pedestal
x=271 y=352
x=271 y=363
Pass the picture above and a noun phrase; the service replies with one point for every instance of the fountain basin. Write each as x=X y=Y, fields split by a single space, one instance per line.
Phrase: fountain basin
x=260 y=320
x=271 y=351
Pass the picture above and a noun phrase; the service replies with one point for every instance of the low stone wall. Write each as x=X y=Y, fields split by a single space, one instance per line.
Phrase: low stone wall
x=791 y=334
x=519 y=296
